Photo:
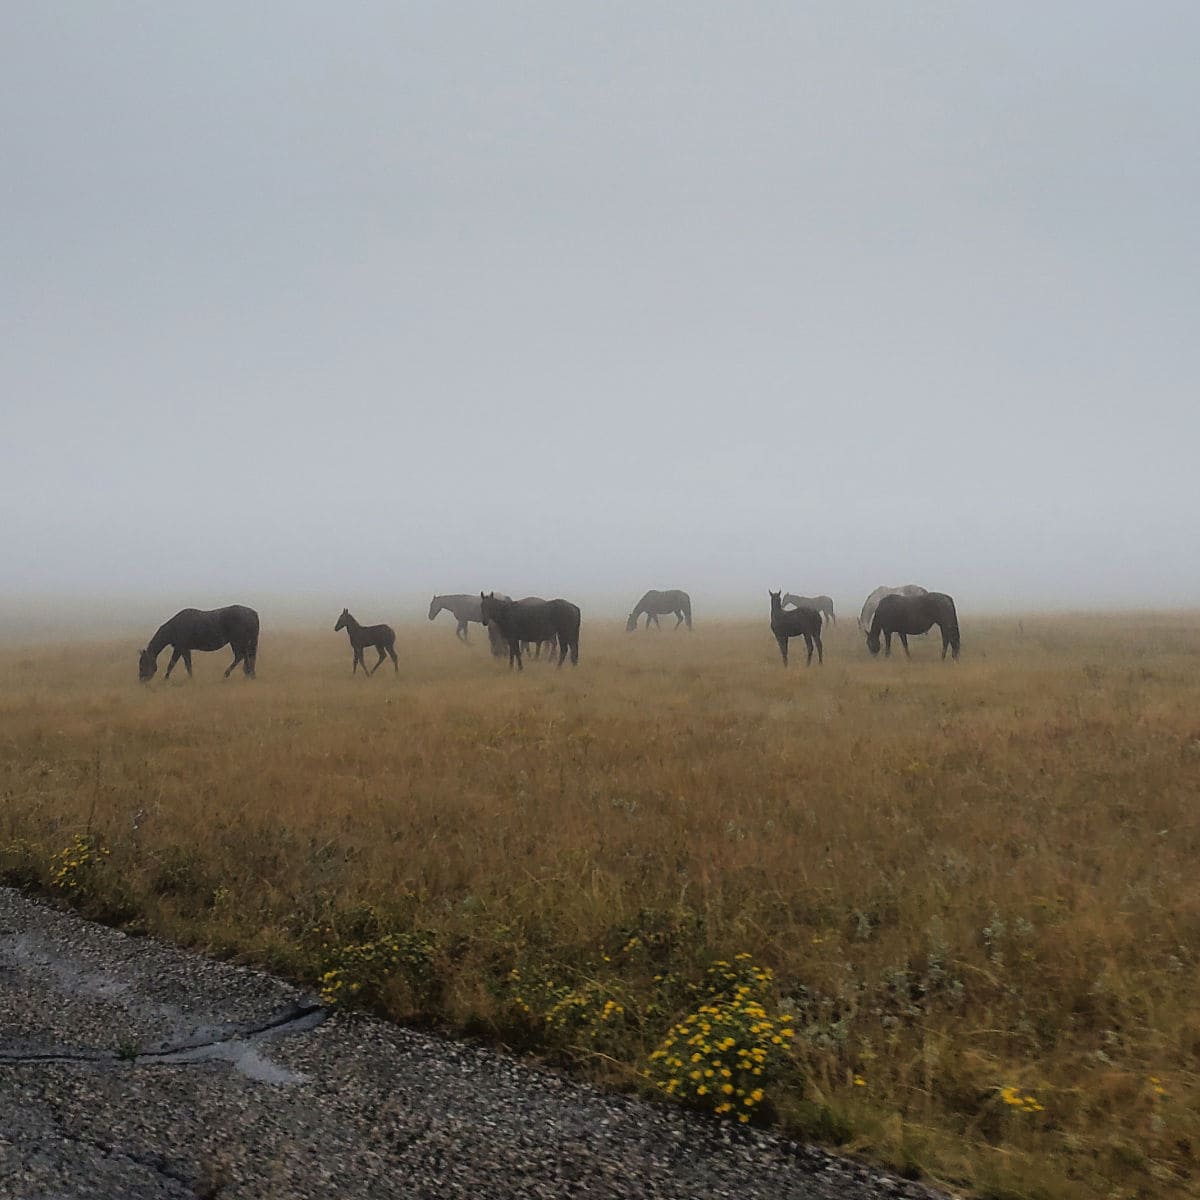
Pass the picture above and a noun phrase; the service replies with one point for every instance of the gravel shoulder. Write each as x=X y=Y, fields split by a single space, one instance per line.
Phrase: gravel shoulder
x=130 y=1068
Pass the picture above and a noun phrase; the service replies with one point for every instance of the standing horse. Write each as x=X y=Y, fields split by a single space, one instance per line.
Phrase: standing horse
x=655 y=604
x=914 y=614
x=533 y=620
x=548 y=644
x=823 y=604
x=872 y=601
x=193 y=629
x=796 y=622
x=465 y=609
x=381 y=637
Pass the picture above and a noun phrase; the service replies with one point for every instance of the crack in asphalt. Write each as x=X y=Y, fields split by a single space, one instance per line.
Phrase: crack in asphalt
x=297 y=1018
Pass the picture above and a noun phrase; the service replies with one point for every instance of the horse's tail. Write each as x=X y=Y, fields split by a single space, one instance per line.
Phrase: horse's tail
x=251 y=659
x=573 y=637
x=687 y=609
x=951 y=626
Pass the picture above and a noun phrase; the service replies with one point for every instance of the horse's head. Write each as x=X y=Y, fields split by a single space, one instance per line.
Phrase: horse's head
x=487 y=605
x=776 y=602
x=873 y=640
x=341 y=622
x=631 y=624
x=147 y=665
x=435 y=607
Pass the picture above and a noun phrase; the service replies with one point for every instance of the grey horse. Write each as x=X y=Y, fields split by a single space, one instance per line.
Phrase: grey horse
x=823 y=604
x=464 y=609
x=872 y=601
x=656 y=604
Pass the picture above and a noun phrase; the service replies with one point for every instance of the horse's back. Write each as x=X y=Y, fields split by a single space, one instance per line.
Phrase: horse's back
x=239 y=623
x=566 y=615
x=796 y=622
x=902 y=612
x=664 y=601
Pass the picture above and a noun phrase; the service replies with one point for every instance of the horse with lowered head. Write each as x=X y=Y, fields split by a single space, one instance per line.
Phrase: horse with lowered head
x=533 y=620
x=823 y=604
x=194 y=629
x=903 y=615
x=379 y=637
x=796 y=622
x=872 y=601
x=656 y=604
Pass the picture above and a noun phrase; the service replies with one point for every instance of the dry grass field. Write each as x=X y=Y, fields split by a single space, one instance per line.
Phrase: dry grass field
x=971 y=890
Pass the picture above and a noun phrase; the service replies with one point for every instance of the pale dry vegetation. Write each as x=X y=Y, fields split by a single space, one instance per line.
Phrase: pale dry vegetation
x=965 y=878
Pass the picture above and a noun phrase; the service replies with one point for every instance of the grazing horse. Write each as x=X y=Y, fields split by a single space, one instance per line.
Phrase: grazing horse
x=465 y=609
x=381 y=637
x=192 y=629
x=823 y=604
x=796 y=622
x=533 y=620
x=914 y=614
x=655 y=604
x=872 y=601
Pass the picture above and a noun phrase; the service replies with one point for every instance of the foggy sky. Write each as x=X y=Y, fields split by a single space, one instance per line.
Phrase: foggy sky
x=588 y=298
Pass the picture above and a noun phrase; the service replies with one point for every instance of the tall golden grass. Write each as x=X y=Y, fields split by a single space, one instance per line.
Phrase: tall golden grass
x=965 y=877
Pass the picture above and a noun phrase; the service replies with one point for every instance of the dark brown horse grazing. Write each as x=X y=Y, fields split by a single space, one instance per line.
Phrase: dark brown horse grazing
x=823 y=604
x=193 y=629
x=533 y=620
x=796 y=622
x=381 y=637
x=655 y=604
x=914 y=614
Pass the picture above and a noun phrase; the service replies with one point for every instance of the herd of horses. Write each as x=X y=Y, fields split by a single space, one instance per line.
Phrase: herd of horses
x=535 y=626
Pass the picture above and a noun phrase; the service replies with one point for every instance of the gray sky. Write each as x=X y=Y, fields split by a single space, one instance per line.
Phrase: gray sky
x=581 y=299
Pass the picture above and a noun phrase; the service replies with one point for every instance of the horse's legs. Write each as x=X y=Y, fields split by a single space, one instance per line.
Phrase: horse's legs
x=904 y=643
x=514 y=652
x=820 y=651
x=238 y=655
x=888 y=638
x=653 y=617
x=176 y=654
x=187 y=661
x=781 y=638
x=382 y=656
x=562 y=648
x=395 y=661
x=678 y=617
x=460 y=631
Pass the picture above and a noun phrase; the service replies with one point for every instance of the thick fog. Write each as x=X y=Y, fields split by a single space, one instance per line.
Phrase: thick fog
x=581 y=299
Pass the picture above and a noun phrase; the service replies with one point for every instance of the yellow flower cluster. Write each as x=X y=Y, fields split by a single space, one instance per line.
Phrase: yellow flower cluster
x=1022 y=1101
x=70 y=866
x=721 y=1055
x=583 y=1014
x=360 y=970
